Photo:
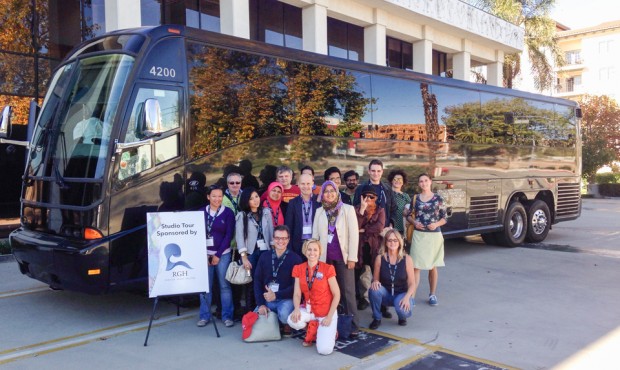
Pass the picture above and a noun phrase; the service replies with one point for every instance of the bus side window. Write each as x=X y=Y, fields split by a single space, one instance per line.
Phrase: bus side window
x=136 y=160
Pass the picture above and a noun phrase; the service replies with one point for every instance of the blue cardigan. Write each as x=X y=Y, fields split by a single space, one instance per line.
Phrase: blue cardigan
x=222 y=231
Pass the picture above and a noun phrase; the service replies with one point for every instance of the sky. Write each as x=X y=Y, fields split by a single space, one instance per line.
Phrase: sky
x=585 y=13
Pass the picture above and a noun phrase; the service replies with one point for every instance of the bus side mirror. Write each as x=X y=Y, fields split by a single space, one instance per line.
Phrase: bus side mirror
x=578 y=113
x=149 y=119
x=5 y=122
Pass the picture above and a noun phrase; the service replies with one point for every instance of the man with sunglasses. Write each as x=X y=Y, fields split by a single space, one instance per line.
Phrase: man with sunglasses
x=233 y=192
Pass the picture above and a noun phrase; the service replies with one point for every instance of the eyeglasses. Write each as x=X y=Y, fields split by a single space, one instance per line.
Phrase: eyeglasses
x=391 y=240
x=399 y=179
x=234 y=183
x=280 y=238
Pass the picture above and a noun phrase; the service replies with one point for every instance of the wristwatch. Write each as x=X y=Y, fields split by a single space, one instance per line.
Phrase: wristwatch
x=243 y=254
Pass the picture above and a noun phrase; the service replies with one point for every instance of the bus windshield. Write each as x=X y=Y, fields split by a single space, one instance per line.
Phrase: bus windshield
x=77 y=136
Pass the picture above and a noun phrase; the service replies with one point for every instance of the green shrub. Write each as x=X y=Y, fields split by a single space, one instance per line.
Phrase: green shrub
x=608 y=178
x=5 y=247
x=609 y=190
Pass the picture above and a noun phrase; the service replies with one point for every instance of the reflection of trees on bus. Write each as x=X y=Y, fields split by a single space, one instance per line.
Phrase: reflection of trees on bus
x=508 y=121
x=237 y=97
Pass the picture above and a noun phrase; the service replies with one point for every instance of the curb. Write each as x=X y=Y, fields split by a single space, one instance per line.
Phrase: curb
x=6 y=258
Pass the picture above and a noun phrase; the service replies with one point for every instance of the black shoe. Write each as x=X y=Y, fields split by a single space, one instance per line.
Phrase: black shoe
x=354 y=334
x=362 y=304
x=402 y=322
x=374 y=324
x=385 y=313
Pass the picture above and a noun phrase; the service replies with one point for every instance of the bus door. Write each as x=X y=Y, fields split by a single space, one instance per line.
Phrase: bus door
x=147 y=175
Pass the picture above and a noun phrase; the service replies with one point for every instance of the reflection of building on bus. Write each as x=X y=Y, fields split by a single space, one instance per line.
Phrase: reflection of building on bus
x=403 y=131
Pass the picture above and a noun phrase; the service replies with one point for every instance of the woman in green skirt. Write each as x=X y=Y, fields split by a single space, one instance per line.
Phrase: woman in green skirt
x=428 y=215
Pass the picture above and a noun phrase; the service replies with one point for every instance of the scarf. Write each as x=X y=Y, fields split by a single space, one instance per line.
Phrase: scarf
x=274 y=206
x=331 y=209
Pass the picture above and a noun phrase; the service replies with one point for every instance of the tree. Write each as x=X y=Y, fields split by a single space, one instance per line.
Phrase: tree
x=539 y=40
x=601 y=133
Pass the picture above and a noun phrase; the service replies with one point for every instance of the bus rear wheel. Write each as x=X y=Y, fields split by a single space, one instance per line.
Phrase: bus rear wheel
x=538 y=221
x=515 y=228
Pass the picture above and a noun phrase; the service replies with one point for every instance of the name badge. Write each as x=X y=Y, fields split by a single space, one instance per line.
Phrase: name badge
x=307 y=230
x=275 y=287
x=209 y=242
x=330 y=237
x=319 y=275
x=261 y=244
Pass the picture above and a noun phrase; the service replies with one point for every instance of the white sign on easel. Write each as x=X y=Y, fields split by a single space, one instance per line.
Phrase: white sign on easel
x=177 y=253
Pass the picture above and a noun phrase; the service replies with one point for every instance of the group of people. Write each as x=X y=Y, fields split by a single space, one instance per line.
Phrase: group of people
x=307 y=247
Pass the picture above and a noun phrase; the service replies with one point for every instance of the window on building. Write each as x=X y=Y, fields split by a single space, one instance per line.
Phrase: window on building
x=150 y=12
x=399 y=54
x=573 y=57
x=203 y=14
x=440 y=63
x=606 y=73
x=276 y=23
x=605 y=47
x=345 y=40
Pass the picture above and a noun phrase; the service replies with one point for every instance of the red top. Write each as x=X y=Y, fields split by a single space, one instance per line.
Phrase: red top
x=291 y=193
x=320 y=296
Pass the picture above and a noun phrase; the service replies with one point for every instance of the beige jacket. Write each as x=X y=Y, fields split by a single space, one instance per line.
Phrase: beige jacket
x=346 y=227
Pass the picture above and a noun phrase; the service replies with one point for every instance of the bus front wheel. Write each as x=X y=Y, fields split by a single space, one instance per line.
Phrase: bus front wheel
x=538 y=221
x=515 y=228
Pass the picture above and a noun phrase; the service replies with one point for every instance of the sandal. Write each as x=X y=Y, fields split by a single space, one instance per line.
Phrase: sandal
x=306 y=344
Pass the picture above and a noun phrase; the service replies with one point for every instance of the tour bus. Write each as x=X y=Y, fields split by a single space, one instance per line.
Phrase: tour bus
x=140 y=120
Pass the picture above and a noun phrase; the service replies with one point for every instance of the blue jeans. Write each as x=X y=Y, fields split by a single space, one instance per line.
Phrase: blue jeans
x=282 y=307
x=382 y=296
x=225 y=291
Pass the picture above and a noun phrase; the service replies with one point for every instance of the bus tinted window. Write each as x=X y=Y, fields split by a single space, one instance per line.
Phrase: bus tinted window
x=458 y=112
x=565 y=125
x=236 y=97
x=398 y=110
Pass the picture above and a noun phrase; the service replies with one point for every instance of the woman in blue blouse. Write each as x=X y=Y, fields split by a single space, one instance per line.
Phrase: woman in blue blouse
x=220 y=228
x=428 y=216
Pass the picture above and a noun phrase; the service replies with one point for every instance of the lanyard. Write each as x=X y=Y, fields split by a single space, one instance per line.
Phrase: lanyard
x=210 y=219
x=234 y=200
x=392 y=272
x=258 y=224
x=308 y=281
x=307 y=210
x=274 y=257
x=275 y=217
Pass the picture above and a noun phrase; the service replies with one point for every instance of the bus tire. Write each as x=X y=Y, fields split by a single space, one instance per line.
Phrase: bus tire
x=538 y=221
x=515 y=227
x=489 y=238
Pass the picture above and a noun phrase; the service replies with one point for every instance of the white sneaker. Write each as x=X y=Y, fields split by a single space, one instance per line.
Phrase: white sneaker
x=229 y=323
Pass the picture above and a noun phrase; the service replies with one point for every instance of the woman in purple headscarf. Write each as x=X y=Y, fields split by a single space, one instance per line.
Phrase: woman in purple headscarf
x=335 y=226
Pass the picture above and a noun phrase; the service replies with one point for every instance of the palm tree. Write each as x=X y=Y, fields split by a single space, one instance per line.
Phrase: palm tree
x=540 y=45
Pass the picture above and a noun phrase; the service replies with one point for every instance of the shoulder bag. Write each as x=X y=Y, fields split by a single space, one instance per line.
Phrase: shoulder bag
x=236 y=273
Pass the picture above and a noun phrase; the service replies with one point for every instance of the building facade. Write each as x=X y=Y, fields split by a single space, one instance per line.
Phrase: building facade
x=592 y=56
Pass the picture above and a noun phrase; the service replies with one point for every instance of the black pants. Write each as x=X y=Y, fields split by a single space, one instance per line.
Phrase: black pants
x=346 y=282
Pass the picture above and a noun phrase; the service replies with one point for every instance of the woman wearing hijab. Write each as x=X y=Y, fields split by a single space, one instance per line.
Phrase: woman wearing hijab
x=272 y=200
x=335 y=226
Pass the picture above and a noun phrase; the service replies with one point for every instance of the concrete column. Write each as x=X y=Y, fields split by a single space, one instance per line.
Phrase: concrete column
x=423 y=52
x=120 y=14
x=423 y=56
x=375 y=50
x=235 y=18
x=375 y=44
x=461 y=62
x=314 y=28
x=495 y=70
